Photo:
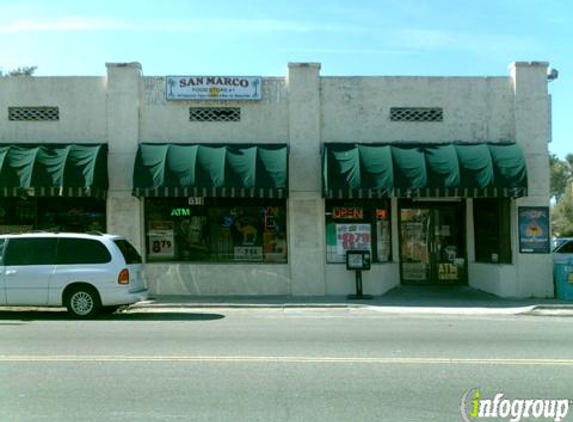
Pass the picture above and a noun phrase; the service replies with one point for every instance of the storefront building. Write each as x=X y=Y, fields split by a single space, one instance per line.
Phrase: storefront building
x=260 y=185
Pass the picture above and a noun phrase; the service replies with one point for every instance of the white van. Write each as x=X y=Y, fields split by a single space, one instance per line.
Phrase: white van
x=83 y=272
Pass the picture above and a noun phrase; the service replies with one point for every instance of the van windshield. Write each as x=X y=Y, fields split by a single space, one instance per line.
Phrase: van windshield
x=129 y=253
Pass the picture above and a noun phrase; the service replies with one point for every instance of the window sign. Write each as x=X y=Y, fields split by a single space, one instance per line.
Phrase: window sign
x=161 y=239
x=351 y=213
x=357 y=224
x=161 y=245
x=248 y=253
x=447 y=271
x=534 y=234
x=352 y=237
x=213 y=88
x=180 y=212
x=357 y=260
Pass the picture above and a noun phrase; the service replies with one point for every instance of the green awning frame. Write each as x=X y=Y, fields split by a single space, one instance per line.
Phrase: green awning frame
x=211 y=170
x=53 y=170
x=417 y=170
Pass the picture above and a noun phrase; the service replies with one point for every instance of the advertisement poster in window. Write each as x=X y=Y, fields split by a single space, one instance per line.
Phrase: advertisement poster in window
x=248 y=239
x=352 y=237
x=161 y=240
x=534 y=235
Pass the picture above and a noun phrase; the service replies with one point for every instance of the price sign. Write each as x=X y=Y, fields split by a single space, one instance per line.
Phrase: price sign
x=352 y=237
x=161 y=246
x=248 y=253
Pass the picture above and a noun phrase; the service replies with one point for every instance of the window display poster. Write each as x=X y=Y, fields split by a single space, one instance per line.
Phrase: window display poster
x=352 y=237
x=275 y=246
x=161 y=245
x=161 y=239
x=534 y=236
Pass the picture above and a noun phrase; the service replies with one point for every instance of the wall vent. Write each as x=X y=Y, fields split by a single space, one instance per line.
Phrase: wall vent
x=416 y=114
x=33 y=114
x=215 y=114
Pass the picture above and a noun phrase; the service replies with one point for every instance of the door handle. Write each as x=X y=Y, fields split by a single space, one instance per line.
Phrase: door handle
x=11 y=272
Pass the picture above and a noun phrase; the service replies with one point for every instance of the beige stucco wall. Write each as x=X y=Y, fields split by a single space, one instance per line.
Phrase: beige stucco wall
x=475 y=109
x=219 y=280
x=304 y=110
x=82 y=103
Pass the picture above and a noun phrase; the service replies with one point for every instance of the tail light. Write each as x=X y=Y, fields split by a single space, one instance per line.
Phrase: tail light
x=123 y=277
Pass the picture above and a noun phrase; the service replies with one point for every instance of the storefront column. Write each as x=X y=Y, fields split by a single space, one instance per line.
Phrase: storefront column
x=122 y=94
x=306 y=205
x=532 y=132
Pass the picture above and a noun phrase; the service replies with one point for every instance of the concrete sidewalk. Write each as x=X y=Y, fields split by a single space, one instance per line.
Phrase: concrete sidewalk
x=404 y=300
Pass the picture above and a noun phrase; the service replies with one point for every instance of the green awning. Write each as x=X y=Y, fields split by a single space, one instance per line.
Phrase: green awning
x=411 y=170
x=62 y=170
x=211 y=170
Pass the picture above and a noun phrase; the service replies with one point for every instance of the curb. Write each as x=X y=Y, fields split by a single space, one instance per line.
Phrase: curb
x=531 y=310
x=551 y=310
x=234 y=305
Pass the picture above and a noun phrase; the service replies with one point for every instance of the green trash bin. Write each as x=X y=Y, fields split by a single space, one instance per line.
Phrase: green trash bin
x=563 y=275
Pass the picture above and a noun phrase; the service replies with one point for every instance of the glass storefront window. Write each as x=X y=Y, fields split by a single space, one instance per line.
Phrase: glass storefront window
x=19 y=215
x=492 y=231
x=358 y=225
x=215 y=230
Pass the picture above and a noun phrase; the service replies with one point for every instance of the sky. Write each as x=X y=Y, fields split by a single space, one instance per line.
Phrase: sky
x=260 y=37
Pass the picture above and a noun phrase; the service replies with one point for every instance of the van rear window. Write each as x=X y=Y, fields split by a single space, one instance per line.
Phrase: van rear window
x=129 y=253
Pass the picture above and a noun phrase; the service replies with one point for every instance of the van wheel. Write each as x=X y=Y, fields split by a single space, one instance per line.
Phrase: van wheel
x=83 y=302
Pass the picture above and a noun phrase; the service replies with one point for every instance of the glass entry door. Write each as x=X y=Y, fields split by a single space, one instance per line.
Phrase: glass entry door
x=432 y=244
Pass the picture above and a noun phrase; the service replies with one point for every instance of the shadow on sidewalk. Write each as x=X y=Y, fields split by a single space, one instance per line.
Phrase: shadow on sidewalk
x=450 y=296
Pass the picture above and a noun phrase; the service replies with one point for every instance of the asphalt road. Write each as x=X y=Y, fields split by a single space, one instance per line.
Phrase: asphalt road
x=275 y=365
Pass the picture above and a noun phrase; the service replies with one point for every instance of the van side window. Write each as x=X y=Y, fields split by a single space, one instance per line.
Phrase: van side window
x=82 y=251
x=2 y=243
x=30 y=252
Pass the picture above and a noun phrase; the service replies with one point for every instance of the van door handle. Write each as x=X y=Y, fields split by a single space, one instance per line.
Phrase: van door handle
x=11 y=272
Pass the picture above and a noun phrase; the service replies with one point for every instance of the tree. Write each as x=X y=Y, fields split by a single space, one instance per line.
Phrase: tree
x=561 y=175
x=20 y=71
x=562 y=215
x=562 y=191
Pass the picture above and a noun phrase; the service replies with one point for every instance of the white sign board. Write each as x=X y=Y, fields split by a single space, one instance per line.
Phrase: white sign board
x=248 y=253
x=161 y=244
x=243 y=88
x=352 y=237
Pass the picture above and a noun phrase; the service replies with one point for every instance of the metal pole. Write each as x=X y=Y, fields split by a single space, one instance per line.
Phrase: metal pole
x=359 y=294
x=358 y=283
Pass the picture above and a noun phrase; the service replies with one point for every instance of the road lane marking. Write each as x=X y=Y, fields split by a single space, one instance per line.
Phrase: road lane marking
x=283 y=359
